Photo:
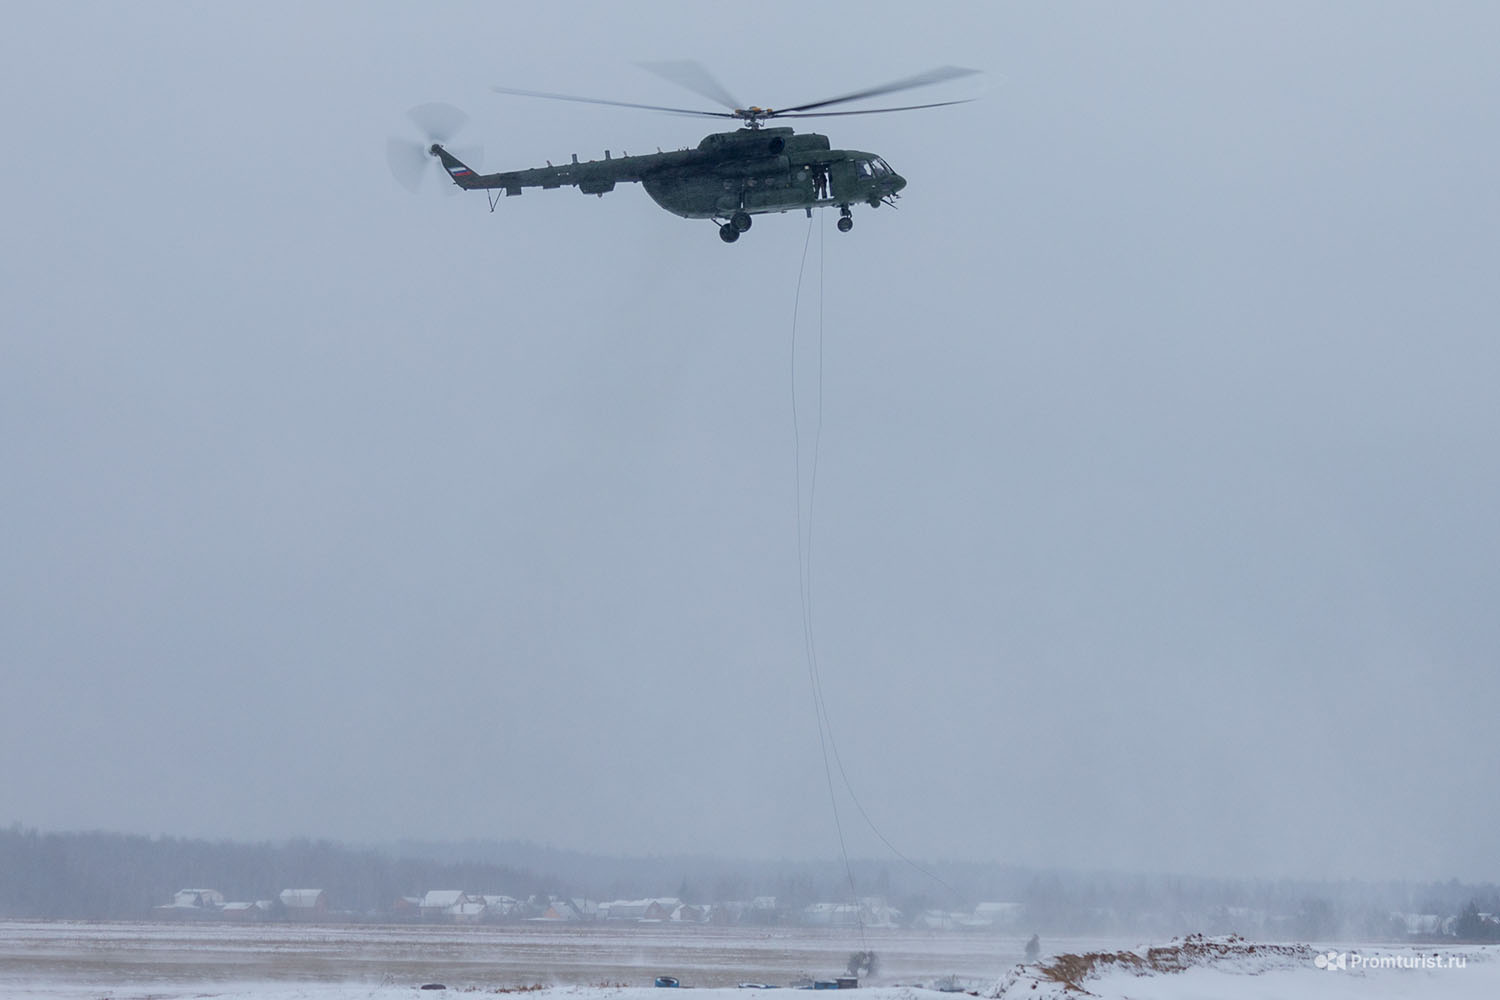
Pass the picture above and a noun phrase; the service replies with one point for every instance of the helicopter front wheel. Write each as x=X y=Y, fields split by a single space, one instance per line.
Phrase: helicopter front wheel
x=740 y=221
x=728 y=233
x=846 y=223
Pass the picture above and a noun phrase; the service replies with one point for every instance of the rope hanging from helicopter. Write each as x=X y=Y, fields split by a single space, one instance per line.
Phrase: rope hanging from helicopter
x=804 y=556
x=832 y=759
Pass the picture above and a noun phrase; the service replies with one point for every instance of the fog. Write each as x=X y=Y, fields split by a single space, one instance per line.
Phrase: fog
x=1154 y=524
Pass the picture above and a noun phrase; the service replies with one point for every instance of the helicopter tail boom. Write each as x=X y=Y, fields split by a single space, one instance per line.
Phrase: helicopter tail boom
x=463 y=175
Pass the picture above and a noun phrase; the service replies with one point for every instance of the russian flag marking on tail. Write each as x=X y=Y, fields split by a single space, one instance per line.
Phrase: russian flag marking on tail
x=459 y=170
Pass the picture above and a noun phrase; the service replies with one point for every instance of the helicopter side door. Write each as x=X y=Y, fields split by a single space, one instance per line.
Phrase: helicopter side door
x=843 y=181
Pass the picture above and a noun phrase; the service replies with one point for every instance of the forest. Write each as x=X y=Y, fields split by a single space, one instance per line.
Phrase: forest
x=119 y=876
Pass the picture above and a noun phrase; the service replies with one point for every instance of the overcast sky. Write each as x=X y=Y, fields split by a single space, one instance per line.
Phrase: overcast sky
x=1156 y=517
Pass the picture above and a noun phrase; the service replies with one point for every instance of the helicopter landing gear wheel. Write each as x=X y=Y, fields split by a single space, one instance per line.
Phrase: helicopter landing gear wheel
x=740 y=221
x=846 y=222
x=728 y=233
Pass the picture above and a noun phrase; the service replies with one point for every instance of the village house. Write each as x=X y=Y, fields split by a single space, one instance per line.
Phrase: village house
x=639 y=909
x=937 y=920
x=999 y=915
x=1426 y=924
x=245 y=913
x=191 y=904
x=830 y=915
x=871 y=911
x=687 y=913
x=304 y=904
x=498 y=907
x=570 y=910
x=208 y=899
x=470 y=910
x=438 y=903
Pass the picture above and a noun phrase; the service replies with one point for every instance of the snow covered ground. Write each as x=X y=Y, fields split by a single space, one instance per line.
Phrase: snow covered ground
x=76 y=961
x=1235 y=969
x=165 y=957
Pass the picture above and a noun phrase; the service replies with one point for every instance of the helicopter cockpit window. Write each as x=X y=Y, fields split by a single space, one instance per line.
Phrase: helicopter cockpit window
x=872 y=168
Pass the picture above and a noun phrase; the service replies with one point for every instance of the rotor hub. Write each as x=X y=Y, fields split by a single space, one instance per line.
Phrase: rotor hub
x=754 y=117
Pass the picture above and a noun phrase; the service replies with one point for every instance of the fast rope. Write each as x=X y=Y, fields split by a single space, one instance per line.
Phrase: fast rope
x=804 y=558
x=826 y=741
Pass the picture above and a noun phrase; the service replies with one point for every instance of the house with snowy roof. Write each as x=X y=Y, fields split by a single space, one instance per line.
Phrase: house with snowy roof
x=761 y=911
x=830 y=915
x=191 y=904
x=240 y=912
x=871 y=911
x=639 y=909
x=499 y=907
x=569 y=910
x=304 y=904
x=438 y=902
x=687 y=913
x=999 y=915
x=459 y=906
x=470 y=910
x=937 y=920
x=1426 y=924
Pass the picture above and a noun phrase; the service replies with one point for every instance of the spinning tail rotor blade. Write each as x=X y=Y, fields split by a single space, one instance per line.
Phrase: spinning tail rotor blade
x=410 y=160
x=439 y=122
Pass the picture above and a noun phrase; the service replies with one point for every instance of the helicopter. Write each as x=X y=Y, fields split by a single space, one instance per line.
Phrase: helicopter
x=729 y=178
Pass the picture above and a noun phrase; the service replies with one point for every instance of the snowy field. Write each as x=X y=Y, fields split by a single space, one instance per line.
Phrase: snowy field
x=130 y=961
x=190 y=959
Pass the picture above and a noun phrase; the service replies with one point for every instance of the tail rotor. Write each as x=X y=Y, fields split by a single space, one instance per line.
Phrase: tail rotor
x=411 y=160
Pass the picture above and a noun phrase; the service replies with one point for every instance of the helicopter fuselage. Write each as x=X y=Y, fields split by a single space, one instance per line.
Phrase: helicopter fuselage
x=750 y=171
x=767 y=170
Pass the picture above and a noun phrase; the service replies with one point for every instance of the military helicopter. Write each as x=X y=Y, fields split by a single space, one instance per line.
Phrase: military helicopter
x=729 y=178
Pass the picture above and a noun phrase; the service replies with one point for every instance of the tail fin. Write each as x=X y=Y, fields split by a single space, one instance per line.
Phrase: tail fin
x=461 y=173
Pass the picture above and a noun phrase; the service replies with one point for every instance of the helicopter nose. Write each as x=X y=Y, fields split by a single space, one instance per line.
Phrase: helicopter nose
x=897 y=183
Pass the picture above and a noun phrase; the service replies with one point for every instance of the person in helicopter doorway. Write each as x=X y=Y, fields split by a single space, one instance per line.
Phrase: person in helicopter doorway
x=820 y=182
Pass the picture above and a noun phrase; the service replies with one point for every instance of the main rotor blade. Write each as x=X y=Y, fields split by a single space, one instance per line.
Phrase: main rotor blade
x=870 y=111
x=613 y=104
x=692 y=75
x=932 y=76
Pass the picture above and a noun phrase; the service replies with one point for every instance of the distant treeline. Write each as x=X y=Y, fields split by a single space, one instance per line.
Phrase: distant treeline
x=1054 y=901
x=123 y=876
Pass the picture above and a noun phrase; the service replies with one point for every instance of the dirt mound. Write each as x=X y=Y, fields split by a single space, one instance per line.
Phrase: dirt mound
x=1070 y=972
